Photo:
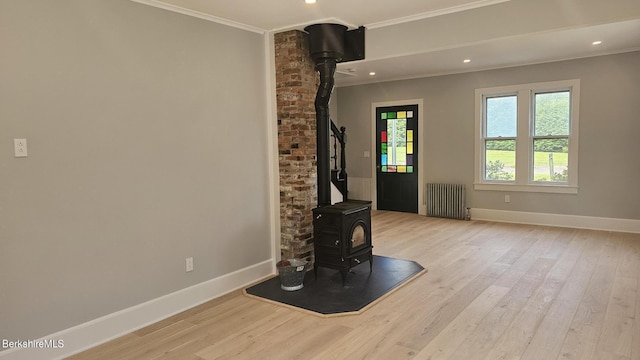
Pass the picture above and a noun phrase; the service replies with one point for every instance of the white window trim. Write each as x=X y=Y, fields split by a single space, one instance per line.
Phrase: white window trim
x=525 y=93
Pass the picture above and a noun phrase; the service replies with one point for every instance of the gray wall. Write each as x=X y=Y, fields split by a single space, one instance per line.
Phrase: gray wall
x=609 y=153
x=147 y=144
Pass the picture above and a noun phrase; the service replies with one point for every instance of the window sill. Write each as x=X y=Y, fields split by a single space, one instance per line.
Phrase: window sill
x=554 y=189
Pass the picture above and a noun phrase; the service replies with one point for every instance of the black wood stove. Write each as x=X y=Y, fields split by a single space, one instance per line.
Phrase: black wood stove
x=342 y=236
x=342 y=232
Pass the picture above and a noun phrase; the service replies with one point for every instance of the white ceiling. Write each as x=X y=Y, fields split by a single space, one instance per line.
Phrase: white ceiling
x=416 y=38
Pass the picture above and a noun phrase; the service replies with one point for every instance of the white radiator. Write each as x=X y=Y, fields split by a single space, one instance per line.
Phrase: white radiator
x=446 y=200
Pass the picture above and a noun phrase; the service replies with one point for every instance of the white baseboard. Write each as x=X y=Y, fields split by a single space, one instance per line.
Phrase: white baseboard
x=571 y=221
x=109 y=327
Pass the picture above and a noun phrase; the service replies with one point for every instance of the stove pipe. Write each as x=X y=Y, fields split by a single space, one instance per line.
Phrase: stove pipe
x=326 y=45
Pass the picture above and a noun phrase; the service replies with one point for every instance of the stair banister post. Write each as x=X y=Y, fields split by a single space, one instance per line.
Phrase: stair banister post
x=343 y=156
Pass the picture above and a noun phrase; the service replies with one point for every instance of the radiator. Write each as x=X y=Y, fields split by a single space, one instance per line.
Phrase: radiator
x=446 y=200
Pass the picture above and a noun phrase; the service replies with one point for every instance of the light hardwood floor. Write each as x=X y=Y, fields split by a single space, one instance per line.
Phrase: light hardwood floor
x=493 y=291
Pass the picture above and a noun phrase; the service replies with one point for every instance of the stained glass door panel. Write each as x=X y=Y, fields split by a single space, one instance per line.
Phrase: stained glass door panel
x=397 y=158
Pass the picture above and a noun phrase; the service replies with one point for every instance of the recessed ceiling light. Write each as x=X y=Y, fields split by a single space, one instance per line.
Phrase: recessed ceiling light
x=372 y=73
x=598 y=42
x=466 y=61
x=310 y=1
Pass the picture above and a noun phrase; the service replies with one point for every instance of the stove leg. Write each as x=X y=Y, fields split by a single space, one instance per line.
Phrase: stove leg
x=315 y=271
x=370 y=262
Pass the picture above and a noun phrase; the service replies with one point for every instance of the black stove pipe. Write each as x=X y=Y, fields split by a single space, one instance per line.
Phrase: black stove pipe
x=326 y=67
x=326 y=45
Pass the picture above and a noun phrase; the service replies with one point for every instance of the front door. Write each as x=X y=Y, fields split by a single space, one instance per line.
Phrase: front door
x=397 y=158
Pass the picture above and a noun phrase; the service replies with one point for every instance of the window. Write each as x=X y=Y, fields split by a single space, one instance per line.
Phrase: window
x=501 y=119
x=527 y=137
x=396 y=142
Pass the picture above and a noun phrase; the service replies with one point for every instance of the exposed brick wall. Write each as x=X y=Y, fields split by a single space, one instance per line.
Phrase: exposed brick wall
x=296 y=86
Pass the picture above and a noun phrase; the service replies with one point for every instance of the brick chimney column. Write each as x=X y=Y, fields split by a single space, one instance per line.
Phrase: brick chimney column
x=296 y=86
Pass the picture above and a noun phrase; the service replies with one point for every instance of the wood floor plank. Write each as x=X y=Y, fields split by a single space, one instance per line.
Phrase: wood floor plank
x=450 y=338
x=362 y=342
x=630 y=268
x=541 y=243
x=107 y=350
x=618 y=323
x=248 y=337
x=190 y=313
x=519 y=334
x=619 y=316
x=435 y=322
x=493 y=291
x=161 y=341
x=493 y=326
x=301 y=342
x=585 y=330
x=235 y=323
x=579 y=261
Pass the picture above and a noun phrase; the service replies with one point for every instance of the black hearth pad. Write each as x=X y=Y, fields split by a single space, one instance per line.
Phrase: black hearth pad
x=327 y=296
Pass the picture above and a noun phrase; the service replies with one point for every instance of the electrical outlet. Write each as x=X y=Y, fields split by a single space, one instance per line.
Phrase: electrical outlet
x=188 y=264
x=20 y=147
x=507 y=198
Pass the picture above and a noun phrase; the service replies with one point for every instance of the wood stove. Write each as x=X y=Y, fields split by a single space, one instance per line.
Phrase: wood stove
x=342 y=236
x=342 y=232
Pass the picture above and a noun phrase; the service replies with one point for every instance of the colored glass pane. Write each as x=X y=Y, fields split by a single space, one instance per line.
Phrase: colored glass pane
x=383 y=136
x=409 y=159
x=383 y=116
x=383 y=159
x=391 y=168
x=409 y=114
x=391 y=115
x=383 y=148
x=410 y=148
x=409 y=135
x=402 y=169
x=409 y=169
x=384 y=169
x=402 y=114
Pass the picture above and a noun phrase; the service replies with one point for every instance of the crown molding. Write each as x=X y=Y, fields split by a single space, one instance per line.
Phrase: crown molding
x=429 y=14
x=200 y=15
